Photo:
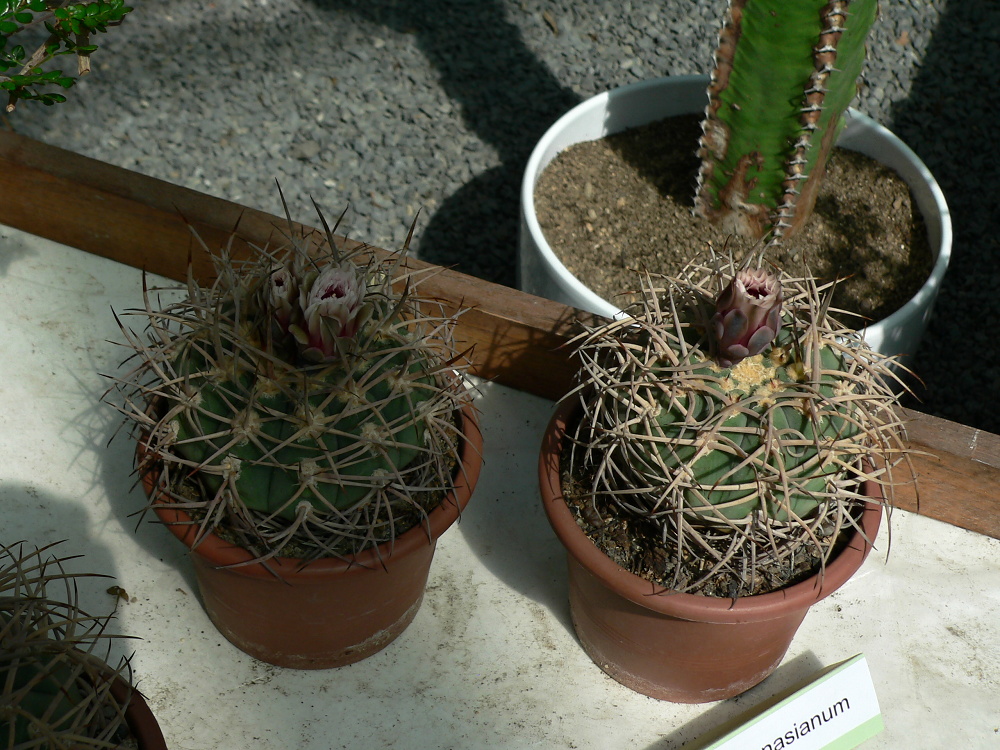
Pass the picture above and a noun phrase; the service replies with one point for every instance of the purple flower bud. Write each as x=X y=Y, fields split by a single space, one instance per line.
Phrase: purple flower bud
x=747 y=316
x=332 y=307
x=281 y=292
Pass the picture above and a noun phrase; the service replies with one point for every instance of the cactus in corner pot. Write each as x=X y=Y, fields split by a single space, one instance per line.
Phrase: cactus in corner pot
x=741 y=456
x=56 y=687
x=785 y=74
x=306 y=404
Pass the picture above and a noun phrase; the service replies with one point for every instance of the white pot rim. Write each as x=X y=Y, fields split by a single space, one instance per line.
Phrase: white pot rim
x=929 y=288
x=550 y=144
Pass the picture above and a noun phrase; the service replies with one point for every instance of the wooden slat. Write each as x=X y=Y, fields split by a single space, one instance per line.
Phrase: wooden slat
x=146 y=223
x=518 y=339
x=958 y=477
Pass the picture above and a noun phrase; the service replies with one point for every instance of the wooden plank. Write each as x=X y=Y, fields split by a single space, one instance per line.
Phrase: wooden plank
x=518 y=340
x=147 y=223
x=958 y=474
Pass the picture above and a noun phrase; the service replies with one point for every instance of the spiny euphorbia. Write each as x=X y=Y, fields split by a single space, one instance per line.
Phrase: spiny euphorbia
x=308 y=392
x=784 y=76
x=725 y=454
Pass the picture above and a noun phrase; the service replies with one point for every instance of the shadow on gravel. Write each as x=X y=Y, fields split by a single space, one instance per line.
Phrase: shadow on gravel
x=943 y=121
x=507 y=97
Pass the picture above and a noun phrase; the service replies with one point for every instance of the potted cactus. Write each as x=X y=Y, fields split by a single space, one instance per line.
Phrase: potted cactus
x=774 y=106
x=306 y=429
x=56 y=689
x=720 y=467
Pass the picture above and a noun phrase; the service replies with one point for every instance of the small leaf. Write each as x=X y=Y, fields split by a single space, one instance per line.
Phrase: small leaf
x=23 y=17
x=6 y=27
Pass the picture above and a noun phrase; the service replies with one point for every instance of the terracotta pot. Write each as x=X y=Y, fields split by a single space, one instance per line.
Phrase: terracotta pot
x=673 y=646
x=331 y=612
x=141 y=722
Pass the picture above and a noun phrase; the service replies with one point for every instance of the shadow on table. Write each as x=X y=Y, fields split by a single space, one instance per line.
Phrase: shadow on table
x=489 y=72
x=504 y=523
x=37 y=518
x=12 y=247
x=727 y=715
x=126 y=499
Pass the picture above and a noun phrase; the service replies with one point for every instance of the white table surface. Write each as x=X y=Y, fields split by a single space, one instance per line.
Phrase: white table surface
x=490 y=660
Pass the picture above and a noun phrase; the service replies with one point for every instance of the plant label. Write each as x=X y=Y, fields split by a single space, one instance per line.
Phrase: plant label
x=836 y=711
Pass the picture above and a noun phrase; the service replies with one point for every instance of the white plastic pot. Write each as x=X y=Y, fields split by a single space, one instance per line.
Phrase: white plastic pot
x=542 y=273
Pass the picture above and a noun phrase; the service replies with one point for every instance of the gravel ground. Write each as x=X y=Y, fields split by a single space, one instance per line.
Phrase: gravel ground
x=392 y=106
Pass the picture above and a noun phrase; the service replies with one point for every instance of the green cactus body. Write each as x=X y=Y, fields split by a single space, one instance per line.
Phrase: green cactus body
x=49 y=690
x=744 y=439
x=323 y=436
x=785 y=74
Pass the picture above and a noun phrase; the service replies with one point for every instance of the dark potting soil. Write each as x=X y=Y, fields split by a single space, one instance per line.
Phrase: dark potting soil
x=624 y=203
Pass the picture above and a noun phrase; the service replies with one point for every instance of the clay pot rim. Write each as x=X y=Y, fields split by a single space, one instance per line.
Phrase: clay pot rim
x=688 y=606
x=221 y=553
x=139 y=716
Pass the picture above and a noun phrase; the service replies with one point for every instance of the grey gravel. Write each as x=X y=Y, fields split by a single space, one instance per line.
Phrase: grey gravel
x=395 y=106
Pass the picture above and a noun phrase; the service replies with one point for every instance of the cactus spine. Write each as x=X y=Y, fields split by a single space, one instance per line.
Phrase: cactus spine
x=310 y=393
x=54 y=690
x=785 y=74
x=725 y=460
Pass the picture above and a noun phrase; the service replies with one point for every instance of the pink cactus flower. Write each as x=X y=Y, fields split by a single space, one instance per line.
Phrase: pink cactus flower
x=332 y=308
x=747 y=316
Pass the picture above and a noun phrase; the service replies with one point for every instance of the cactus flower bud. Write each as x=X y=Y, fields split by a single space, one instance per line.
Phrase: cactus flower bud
x=332 y=307
x=281 y=291
x=747 y=315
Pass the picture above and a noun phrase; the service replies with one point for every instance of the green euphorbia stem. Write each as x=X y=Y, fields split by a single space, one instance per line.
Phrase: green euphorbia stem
x=785 y=74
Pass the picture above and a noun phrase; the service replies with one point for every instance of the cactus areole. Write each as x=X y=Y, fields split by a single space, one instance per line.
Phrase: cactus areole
x=308 y=387
x=785 y=74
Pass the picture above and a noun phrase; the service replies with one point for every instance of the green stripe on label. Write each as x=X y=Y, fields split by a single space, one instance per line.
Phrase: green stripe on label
x=858 y=735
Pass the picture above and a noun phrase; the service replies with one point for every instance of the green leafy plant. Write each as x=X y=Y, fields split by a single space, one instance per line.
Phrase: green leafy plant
x=785 y=74
x=56 y=691
x=306 y=404
x=69 y=26
x=735 y=422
